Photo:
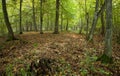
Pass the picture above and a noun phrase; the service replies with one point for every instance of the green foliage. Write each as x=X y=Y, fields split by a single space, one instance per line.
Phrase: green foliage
x=88 y=66
x=102 y=71
x=25 y=72
x=21 y=72
x=9 y=70
x=64 y=68
x=35 y=44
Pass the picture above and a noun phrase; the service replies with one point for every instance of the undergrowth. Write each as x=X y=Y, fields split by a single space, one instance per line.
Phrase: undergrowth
x=61 y=67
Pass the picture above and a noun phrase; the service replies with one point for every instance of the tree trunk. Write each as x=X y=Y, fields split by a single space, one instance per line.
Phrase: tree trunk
x=95 y=19
x=48 y=22
x=61 y=26
x=41 y=16
x=21 y=16
x=87 y=24
x=67 y=25
x=31 y=26
x=86 y=18
x=10 y=31
x=81 y=26
x=34 y=20
x=103 y=24
x=108 y=35
x=107 y=55
x=56 y=31
x=27 y=26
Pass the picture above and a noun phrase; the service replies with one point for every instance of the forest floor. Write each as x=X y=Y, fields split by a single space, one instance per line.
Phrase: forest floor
x=72 y=54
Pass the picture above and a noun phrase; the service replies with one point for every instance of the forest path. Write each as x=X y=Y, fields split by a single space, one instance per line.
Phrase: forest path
x=70 y=47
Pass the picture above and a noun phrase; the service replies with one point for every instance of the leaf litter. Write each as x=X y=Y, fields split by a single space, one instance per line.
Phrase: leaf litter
x=70 y=53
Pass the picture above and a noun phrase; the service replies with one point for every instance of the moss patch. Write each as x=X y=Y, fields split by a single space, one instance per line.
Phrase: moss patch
x=105 y=59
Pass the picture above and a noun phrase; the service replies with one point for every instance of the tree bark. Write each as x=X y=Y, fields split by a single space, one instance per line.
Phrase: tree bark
x=107 y=55
x=7 y=22
x=108 y=35
x=87 y=24
x=41 y=16
x=56 y=30
x=87 y=19
x=61 y=25
x=47 y=26
x=34 y=19
x=81 y=26
x=67 y=25
x=21 y=16
x=95 y=19
x=103 y=24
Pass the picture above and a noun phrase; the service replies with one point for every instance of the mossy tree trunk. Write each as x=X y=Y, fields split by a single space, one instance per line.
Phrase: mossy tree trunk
x=107 y=55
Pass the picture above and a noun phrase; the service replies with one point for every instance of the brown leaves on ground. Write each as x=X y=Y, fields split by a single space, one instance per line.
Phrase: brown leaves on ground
x=70 y=47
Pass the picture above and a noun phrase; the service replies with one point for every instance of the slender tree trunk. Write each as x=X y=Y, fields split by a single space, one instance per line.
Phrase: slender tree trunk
x=21 y=16
x=48 y=20
x=95 y=19
x=86 y=18
x=16 y=26
x=56 y=30
x=41 y=16
x=103 y=24
x=67 y=25
x=34 y=19
x=26 y=25
x=31 y=24
x=61 y=27
x=87 y=24
x=81 y=26
x=10 y=31
x=51 y=24
x=90 y=36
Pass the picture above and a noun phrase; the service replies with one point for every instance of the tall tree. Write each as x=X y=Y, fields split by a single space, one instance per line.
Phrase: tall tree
x=21 y=16
x=10 y=31
x=81 y=26
x=56 y=30
x=67 y=24
x=34 y=19
x=102 y=21
x=61 y=25
x=87 y=24
x=41 y=16
x=95 y=19
x=103 y=24
x=86 y=18
x=107 y=55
